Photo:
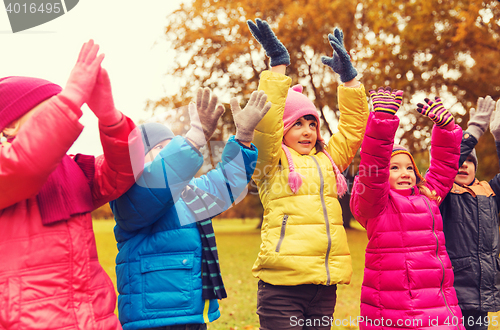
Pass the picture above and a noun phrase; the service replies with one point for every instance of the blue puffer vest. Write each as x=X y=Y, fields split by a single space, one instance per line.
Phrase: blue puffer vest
x=158 y=265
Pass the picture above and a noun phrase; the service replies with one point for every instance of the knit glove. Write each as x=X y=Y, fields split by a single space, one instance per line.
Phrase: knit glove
x=247 y=119
x=436 y=112
x=101 y=101
x=385 y=101
x=265 y=36
x=479 y=119
x=340 y=62
x=495 y=123
x=83 y=76
x=204 y=116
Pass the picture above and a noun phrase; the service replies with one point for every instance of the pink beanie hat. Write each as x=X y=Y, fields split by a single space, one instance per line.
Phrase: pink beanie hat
x=298 y=105
x=18 y=95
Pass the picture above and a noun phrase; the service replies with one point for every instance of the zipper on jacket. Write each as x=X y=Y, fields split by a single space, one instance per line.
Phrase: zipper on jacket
x=282 y=234
x=437 y=256
x=327 y=221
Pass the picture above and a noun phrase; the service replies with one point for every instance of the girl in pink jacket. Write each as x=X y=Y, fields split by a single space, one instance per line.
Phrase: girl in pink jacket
x=408 y=279
x=50 y=276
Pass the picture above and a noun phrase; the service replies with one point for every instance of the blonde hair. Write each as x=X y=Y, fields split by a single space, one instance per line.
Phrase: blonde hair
x=10 y=132
x=13 y=127
x=424 y=190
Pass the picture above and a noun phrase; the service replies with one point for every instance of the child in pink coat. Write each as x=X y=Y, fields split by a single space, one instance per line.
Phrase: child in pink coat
x=408 y=279
x=50 y=276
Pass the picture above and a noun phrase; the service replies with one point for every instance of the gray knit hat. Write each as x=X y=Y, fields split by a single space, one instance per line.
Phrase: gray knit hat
x=474 y=158
x=154 y=133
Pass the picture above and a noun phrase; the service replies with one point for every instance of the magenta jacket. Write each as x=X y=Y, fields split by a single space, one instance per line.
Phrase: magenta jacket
x=408 y=279
x=50 y=276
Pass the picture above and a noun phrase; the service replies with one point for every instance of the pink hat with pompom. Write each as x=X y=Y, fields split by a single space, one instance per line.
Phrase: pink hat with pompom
x=298 y=105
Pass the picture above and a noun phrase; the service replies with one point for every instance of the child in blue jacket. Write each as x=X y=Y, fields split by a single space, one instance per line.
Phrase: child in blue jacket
x=470 y=224
x=168 y=275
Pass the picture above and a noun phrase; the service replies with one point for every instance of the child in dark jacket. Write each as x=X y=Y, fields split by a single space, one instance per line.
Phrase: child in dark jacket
x=470 y=217
x=167 y=265
x=50 y=276
x=408 y=279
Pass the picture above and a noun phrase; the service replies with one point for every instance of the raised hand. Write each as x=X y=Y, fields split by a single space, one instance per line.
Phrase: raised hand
x=101 y=100
x=340 y=62
x=267 y=39
x=479 y=119
x=385 y=101
x=83 y=76
x=204 y=116
x=247 y=119
x=495 y=122
x=436 y=112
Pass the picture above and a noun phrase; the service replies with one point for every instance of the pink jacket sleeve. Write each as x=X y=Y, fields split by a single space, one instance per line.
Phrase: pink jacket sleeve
x=114 y=170
x=37 y=150
x=370 y=192
x=445 y=152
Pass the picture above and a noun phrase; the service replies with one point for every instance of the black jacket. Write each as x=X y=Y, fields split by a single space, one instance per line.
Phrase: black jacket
x=471 y=228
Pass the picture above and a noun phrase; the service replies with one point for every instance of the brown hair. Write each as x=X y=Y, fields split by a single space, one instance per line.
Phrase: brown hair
x=320 y=145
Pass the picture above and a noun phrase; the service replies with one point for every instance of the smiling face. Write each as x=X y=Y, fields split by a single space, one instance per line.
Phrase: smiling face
x=466 y=172
x=401 y=172
x=302 y=136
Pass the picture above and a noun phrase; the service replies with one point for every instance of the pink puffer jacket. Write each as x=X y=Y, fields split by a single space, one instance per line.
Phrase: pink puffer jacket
x=408 y=279
x=50 y=276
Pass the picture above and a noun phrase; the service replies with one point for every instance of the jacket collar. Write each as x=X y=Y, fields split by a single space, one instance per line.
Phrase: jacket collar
x=413 y=191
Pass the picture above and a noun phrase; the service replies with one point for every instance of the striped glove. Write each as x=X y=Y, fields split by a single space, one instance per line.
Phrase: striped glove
x=436 y=112
x=385 y=101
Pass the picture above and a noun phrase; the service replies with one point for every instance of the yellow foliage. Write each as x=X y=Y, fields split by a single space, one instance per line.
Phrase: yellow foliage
x=433 y=46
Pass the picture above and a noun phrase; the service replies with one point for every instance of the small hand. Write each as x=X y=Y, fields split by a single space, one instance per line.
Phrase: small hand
x=436 y=112
x=83 y=76
x=385 y=101
x=247 y=119
x=340 y=62
x=275 y=50
x=101 y=100
x=495 y=122
x=204 y=116
x=479 y=119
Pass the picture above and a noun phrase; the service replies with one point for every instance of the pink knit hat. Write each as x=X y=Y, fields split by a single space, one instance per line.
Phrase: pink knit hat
x=18 y=95
x=298 y=105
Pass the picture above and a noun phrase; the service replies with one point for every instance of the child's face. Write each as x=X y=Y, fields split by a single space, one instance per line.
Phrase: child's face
x=401 y=172
x=466 y=172
x=302 y=136
x=150 y=156
x=13 y=127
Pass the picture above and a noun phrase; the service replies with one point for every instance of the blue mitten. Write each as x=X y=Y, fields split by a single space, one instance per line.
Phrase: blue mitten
x=265 y=36
x=340 y=62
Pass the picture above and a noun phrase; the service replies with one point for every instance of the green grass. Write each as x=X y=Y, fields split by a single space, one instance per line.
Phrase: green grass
x=238 y=244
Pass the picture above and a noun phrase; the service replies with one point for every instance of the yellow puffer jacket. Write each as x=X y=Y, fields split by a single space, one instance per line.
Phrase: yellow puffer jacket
x=303 y=238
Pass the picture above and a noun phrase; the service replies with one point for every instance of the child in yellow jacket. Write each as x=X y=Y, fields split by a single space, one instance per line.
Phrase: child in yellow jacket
x=304 y=252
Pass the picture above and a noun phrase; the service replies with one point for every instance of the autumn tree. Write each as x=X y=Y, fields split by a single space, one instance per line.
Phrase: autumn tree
x=434 y=47
x=446 y=48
